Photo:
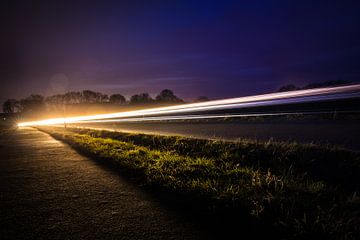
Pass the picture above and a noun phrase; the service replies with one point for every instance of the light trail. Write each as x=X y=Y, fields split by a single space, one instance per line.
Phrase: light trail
x=207 y=116
x=301 y=96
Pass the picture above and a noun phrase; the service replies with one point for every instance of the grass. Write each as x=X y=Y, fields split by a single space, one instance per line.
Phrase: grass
x=301 y=190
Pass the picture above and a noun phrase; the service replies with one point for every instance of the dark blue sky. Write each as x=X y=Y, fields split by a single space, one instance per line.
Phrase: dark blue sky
x=213 y=48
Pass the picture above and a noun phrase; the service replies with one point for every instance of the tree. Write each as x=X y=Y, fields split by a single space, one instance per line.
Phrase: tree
x=72 y=97
x=32 y=103
x=167 y=95
x=94 y=97
x=90 y=96
x=11 y=106
x=102 y=98
x=202 y=99
x=117 y=99
x=141 y=98
x=331 y=83
x=55 y=102
x=57 y=99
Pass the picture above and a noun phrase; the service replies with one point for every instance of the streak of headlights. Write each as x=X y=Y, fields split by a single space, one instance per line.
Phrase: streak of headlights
x=301 y=96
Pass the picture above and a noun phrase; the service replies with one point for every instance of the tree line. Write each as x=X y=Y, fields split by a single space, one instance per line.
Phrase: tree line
x=36 y=102
x=331 y=83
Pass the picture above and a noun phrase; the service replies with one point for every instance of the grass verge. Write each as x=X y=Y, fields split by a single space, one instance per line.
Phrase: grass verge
x=302 y=191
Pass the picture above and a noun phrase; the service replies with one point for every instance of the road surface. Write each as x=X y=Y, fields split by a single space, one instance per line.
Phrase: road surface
x=345 y=134
x=49 y=191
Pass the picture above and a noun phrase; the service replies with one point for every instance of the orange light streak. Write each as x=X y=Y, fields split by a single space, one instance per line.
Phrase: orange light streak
x=194 y=107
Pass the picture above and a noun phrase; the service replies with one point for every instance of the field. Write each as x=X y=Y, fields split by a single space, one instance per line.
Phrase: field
x=298 y=190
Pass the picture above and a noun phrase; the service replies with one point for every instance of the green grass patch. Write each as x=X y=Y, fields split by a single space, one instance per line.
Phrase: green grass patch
x=324 y=163
x=303 y=190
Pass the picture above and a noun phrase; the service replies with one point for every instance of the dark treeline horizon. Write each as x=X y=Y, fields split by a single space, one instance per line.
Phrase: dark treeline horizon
x=35 y=102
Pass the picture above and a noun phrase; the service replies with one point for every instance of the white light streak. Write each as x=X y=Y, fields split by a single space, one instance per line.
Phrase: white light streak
x=301 y=96
x=204 y=116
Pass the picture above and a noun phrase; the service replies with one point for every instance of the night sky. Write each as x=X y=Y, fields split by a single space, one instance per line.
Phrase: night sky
x=213 y=48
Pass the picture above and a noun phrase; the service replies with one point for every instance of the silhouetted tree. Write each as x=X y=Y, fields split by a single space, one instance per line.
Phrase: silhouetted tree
x=167 y=95
x=57 y=99
x=202 y=99
x=332 y=83
x=90 y=96
x=55 y=102
x=102 y=98
x=11 y=106
x=141 y=98
x=72 y=97
x=32 y=103
x=117 y=99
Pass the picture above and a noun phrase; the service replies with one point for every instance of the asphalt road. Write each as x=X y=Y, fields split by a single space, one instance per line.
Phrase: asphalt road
x=49 y=191
x=344 y=134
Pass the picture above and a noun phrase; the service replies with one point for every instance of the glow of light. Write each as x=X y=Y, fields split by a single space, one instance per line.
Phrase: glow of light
x=309 y=95
x=206 y=116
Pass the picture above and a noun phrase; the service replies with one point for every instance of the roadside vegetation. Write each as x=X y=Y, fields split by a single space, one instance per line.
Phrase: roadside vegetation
x=86 y=102
x=304 y=191
x=61 y=103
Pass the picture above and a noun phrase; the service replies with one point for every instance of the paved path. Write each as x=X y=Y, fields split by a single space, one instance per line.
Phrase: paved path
x=49 y=191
